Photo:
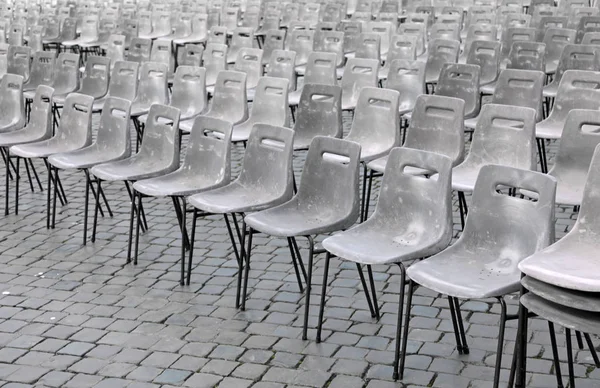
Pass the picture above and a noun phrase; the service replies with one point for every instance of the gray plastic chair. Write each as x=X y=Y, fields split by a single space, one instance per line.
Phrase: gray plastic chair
x=94 y=82
x=444 y=31
x=517 y=88
x=527 y=56
x=18 y=59
x=461 y=81
x=249 y=61
x=66 y=75
x=408 y=78
x=42 y=70
x=369 y=47
x=74 y=132
x=478 y=32
x=441 y=51
x=139 y=50
x=67 y=32
x=587 y=24
x=162 y=53
x=591 y=38
x=401 y=47
x=122 y=84
x=38 y=128
x=479 y=268
x=274 y=41
x=189 y=92
x=513 y=34
x=358 y=73
x=271 y=22
x=199 y=32
x=191 y=55
x=486 y=55
x=161 y=25
x=183 y=27
x=412 y=220
x=319 y=207
x=217 y=35
x=556 y=39
x=113 y=142
x=243 y=37
x=89 y=32
x=12 y=109
x=320 y=69
x=230 y=18
x=574 y=57
x=436 y=126
x=115 y=48
x=214 y=60
x=319 y=114
x=34 y=38
x=282 y=65
x=3 y=58
x=417 y=30
x=158 y=155
x=269 y=107
x=301 y=41
x=15 y=35
x=352 y=31
x=152 y=88
x=309 y=12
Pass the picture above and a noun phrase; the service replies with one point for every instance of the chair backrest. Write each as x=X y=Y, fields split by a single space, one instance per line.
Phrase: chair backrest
x=191 y=55
x=152 y=87
x=514 y=227
x=42 y=69
x=89 y=29
x=331 y=42
x=578 y=89
x=12 y=109
x=113 y=136
x=40 y=117
x=18 y=61
x=301 y=41
x=591 y=38
x=242 y=37
x=200 y=25
x=160 y=144
x=270 y=104
x=35 y=38
x=66 y=74
x=547 y=22
x=319 y=111
x=75 y=129
x=587 y=225
x=376 y=123
x=406 y=200
x=208 y=153
x=504 y=135
x=290 y=14
x=408 y=78
x=309 y=12
x=587 y=24
x=527 y=56
x=514 y=34
x=352 y=31
x=441 y=51
x=123 y=80
x=556 y=39
x=282 y=65
x=214 y=60
x=520 y=88
x=231 y=18
x=480 y=32
x=139 y=50
x=161 y=23
x=162 y=53
x=329 y=183
x=95 y=77
x=369 y=46
x=15 y=35
x=358 y=73
x=461 y=81
x=189 y=90
x=384 y=30
x=575 y=15
x=271 y=21
x=444 y=31
x=577 y=57
x=321 y=69
x=274 y=40
x=402 y=47
x=437 y=125
x=129 y=30
x=115 y=48
x=230 y=99
x=249 y=61
x=486 y=55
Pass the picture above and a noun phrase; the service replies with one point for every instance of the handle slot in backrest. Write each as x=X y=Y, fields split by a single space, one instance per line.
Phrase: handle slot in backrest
x=380 y=103
x=404 y=71
x=520 y=83
x=507 y=190
x=332 y=39
x=403 y=44
x=213 y=134
x=274 y=90
x=163 y=47
x=232 y=83
x=439 y=111
x=14 y=86
x=582 y=56
x=460 y=75
x=45 y=99
x=370 y=42
x=585 y=84
x=362 y=70
x=126 y=72
x=507 y=122
x=560 y=38
x=528 y=52
x=485 y=50
x=80 y=108
x=44 y=59
x=322 y=98
x=250 y=57
x=323 y=62
x=335 y=158
x=163 y=120
x=283 y=60
x=119 y=113
x=273 y=144
x=520 y=36
x=190 y=78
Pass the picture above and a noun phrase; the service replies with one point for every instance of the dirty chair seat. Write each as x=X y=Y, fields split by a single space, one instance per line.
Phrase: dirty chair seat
x=128 y=170
x=138 y=109
x=586 y=301
x=551 y=66
x=9 y=126
x=584 y=321
x=186 y=125
x=178 y=183
x=549 y=129
x=379 y=166
x=464 y=177
x=29 y=94
x=294 y=97
x=234 y=198
x=83 y=158
x=488 y=89
x=20 y=136
x=567 y=193
x=42 y=149
x=288 y=220
x=566 y=264
x=550 y=90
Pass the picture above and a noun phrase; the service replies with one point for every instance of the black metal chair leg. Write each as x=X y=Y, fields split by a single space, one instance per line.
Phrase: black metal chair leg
x=299 y=258
x=108 y=209
x=396 y=374
x=137 y=226
x=323 y=295
x=590 y=345
x=555 y=360
x=459 y=346
x=570 y=359
x=131 y=217
x=192 y=239
x=48 y=193
x=86 y=205
x=96 y=208
x=311 y=252
x=461 y=210
x=521 y=368
x=579 y=339
x=246 y=270
x=295 y=263
x=54 y=173
x=373 y=292
x=184 y=238
x=35 y=174
x=232 y=238
x=6 y=188
x=28 y=175
x=365 y=289
x=17 y=177
x=499 y=349
x=364 y=194
x=463 y=335
x=178 y=213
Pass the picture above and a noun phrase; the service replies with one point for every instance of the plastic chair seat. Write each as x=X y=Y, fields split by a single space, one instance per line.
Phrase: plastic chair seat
x=549 y=129
x=42 y=149
x=464 y=177
x=234 y=198
x=11 y=125
x=551 y=66
x=471 y=123
x=379 y=166
x=586 y=301
x=550 y=90
x=288 y=221
x=75 y=42
x=178 y=183
x=193 y=38
x=473 y=274
x=83 y=158
x=372 y=244
x=128 y=170
x=569 y=263
x=488 y=89
x=294 y=97
x=138 y=109
x=584 y=321
x=184 y=126
x=21 y=136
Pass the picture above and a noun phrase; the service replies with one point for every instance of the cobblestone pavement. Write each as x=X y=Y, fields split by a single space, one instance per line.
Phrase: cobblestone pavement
x=77 y=316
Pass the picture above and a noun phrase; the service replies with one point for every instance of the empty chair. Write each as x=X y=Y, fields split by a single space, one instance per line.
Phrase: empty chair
x=417 y=30
x=243 y=37
x=358 y=73
x=42 y=70
x=94 y=82
x=199 y=33
x=191 y=55
x=66 y=75
x=444 y=31
x=74 y=132
x=122 y=84
x=115 y=49
x=301 y=41
x=408 y=78
x=206 y=166
x=440 y=52
x=34 y=39
x=319 y=114
x=320 y=69
x=486 y=55
x=214 y=60
x=274 y=40
x=15 y=35
x=591 y=38
x=249 y=61
x=139 y=50
x=461 y=81
x=555 y=40
x=113 y=142
x=18 y=58
x=514 y=34
x=152 y=90
x=183 y=28
x=270 y=106
x=329 y=42
x=369 y=47
x=352 y=31
x=479 y=268
x=162 y=53
x=574 y=57
x=265 y=181
x=3 y=58
x=587 y=24
x=12 y=110
x=160 y=26
x=271 y=22
x=401 y=47
x=38 y=128
x=231 y=19
x=518 y=88
x=527 y=56
x=217 y=34
x=331 y=168
x=478 y=32
x=89 y=33
x=158 y=155
x=282 y=65
x=384 y=30
x=189 y=92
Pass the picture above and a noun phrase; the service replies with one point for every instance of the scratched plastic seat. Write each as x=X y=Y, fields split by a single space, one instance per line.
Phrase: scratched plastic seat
x=158 y=155
x=66 y=75
x=412 y=220
x=320 y=69
x=199 y=32
x=478 y=32
x=18 y=59
x=162 y=52
x=274 y=40
x=42 y=70
x=139 y=50
x=12 y=109
x=574 y=57
x=440 y=52
x=152 y=88
x=319 y=207
x=517 y=88
x=461 y=81
x=486 y=55
x=358 y=73
x=243 y=37
x=408 y=78
x=94 y=82
x=302 y=42
x=480 y=268
x=282 y=65
x=555 y=40
x=249 y=61
x=269 y=107
x=401 y=47
x=214 y=60
x=113 y=142
x=319 y=114
x=122 y=84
